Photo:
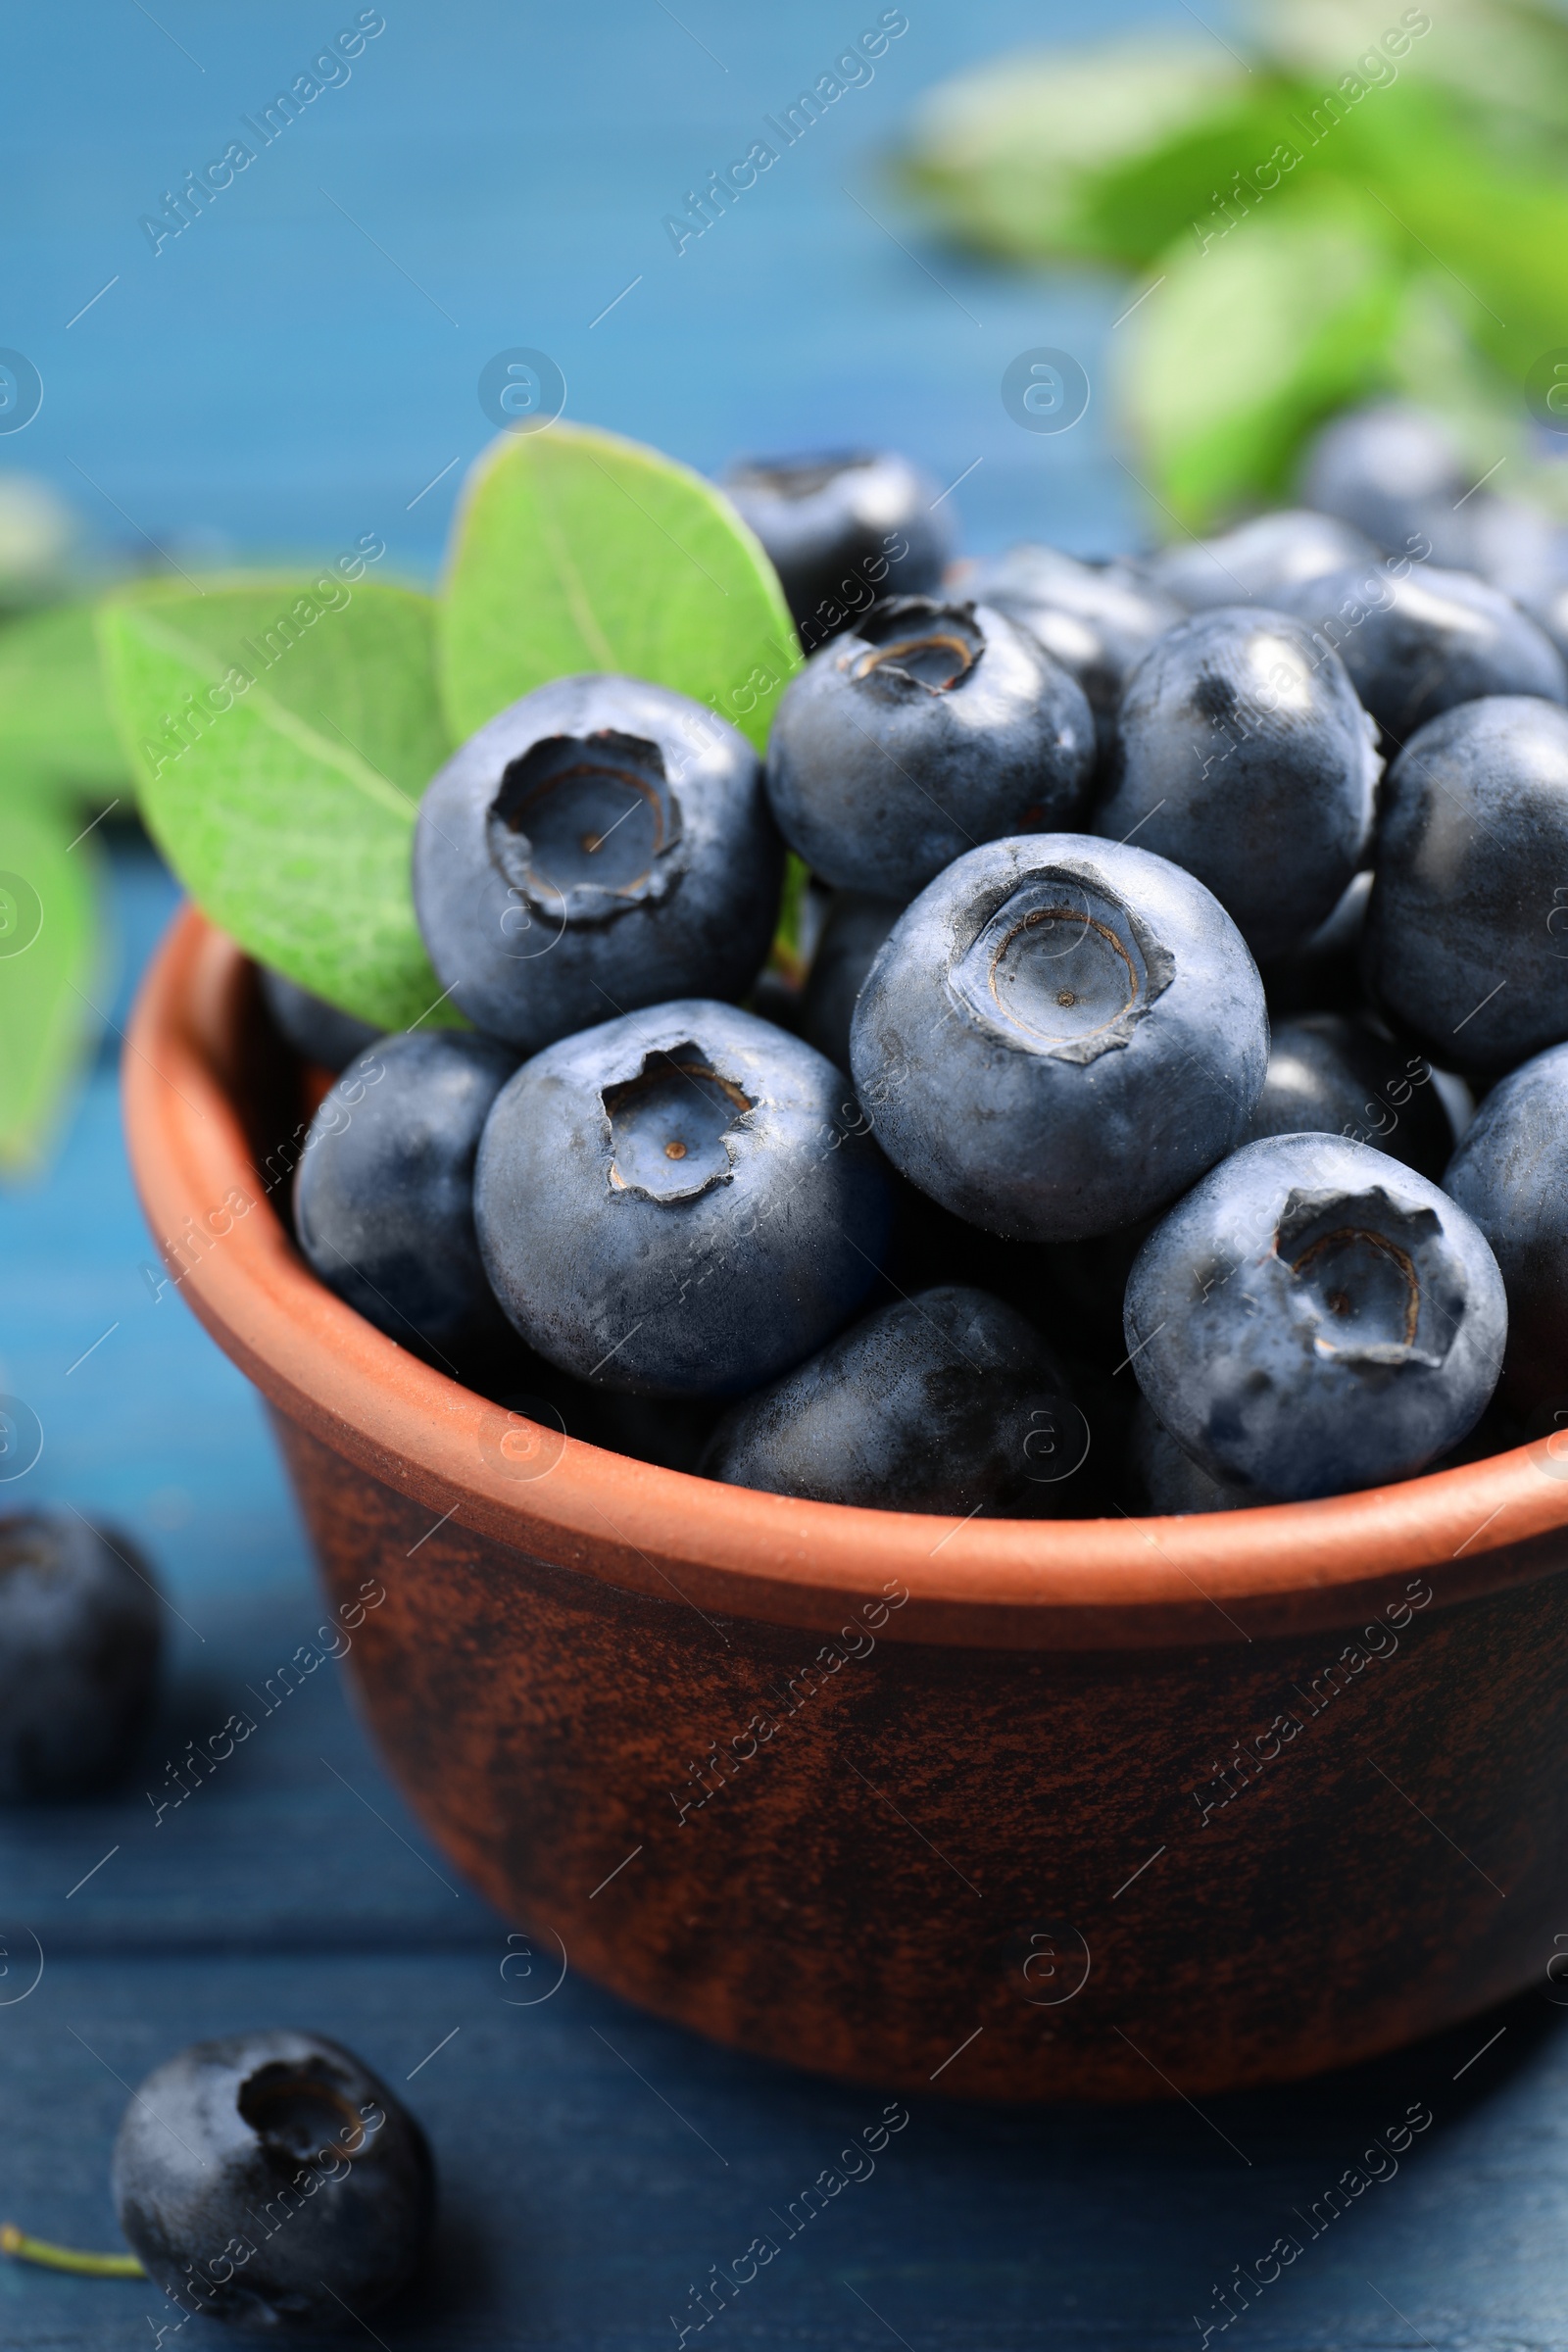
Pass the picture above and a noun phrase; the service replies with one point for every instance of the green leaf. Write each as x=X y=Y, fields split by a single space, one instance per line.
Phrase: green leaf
x=55 y=720
x=50 y=950
x=282 y=732
x=579 y=550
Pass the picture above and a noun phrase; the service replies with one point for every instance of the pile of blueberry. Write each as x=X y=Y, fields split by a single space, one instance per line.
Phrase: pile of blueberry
x=1107 y=1135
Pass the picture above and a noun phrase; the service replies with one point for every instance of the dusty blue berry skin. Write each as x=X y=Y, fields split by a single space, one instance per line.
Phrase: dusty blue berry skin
x=1395 y=473
x=1243 y=754
x=921 y=730
x=1058 y=1036
x=1097 y=619
x=601 y=844
x=1322 y=973
x=1466 y=940
x=80 y=1635
x=854 y=929
x=1418 y=641
x=268 y=2179
x=949 y=1401
x=1315 y=1318
x=1168 y=1482
x=842 y=528
x=319 y=1032
x=1258 y=558
x=681 y=1204
x=383 y=1195
x=1511 y=1173
x=1332 y=1075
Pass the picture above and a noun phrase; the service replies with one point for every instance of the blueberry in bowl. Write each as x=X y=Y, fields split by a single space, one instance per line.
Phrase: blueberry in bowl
x=1508 y=1175
x=1255 y=561
x=1163 y=1478
x=1242 y=753
x=1466 y=940
x=80 y=1644
x=1097 y=619
x=1331 y=1074
x=948 y=1402
x=922 y=730
x=841 y=529
x=683 y=1202
x=602 y=844
x=273 y=2181
x=1314 y=1318
x=1059 y=1035
x=383 y=1194
x=317 y=1031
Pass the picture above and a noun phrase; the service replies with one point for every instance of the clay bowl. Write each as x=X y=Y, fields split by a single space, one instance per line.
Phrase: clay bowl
x=1102 y=1808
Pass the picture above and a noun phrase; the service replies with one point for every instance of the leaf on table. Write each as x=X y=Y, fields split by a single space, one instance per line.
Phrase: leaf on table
x=51 y=950
x=282 y=732
x=578 y=551
x=55 y=720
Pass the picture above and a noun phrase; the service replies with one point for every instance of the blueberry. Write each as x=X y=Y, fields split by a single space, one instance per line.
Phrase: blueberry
x=946 y=1402
x=1394 y=472
x=271 y=2181
x=841 y=529
x=319 y=1032
x=1314 y=1318
x=1331 y=1075
x=1508 y=1174
x=1165 y=1480
x=856 y=928
x=1243 y=754
x=79 y=1642
x=921 y=731
x=683 y=1202
x=1059 y=1035
x=1254 y=561
x=383 y=1195
x=1419 y=642
x=1097 y=619
x=1466 y=942
x=601 y=844
x=1322 y=973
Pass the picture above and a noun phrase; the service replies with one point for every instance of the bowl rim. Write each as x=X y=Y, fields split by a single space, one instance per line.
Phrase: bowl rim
x=1081 y=1584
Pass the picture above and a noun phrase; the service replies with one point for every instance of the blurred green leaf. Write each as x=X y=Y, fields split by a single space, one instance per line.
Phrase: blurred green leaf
x=55 y=721
x=282 y=732
x=50 y=952
x=579 y=550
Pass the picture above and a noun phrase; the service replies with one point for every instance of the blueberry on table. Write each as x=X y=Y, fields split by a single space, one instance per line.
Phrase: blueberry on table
x=854 y=929
x=1059 y=1035
x=317 y=1031
x=79 y=1642
x=1314 y=1318
x=921 y=731
x=1254 y=561
x=949 y=1401
x=1418 y=642
x=1243 y=754
x=601 y=844
x=684 y=1202
x=1332 y=1075
x=271 y=2181
x=1097 y=619
x=1509 y=1174
x=1394 y=472
x=383 y=1195
x=842 y=528
x=1466 y=942
x=1322 y=973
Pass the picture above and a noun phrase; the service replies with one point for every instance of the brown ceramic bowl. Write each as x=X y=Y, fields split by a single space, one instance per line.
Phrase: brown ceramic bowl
x=1101 y=1808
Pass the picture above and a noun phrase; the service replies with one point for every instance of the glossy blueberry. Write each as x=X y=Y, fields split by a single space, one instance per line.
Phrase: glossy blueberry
x=842 y=529
x=1315 y=1318
x=684 y=1202
x=1417 y=642
x=1243 y=755
x=1097 y=619
x=1394 y=472
x=1466 y=942
x=1059 y=1035
x=383 y=1195
x=922 y=730
x=1254 y=561
x=601 y=844
x=79 y=1642
x=854 y=929
x=1165 y=1480
x=1509 y=1174
x=946 y=1402
x=1331 y=1075
x=271 y=2181
x=319 y=1032
x=1322 y=973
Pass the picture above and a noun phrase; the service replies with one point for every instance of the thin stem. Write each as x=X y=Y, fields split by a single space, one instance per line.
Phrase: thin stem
x=21 y=2248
